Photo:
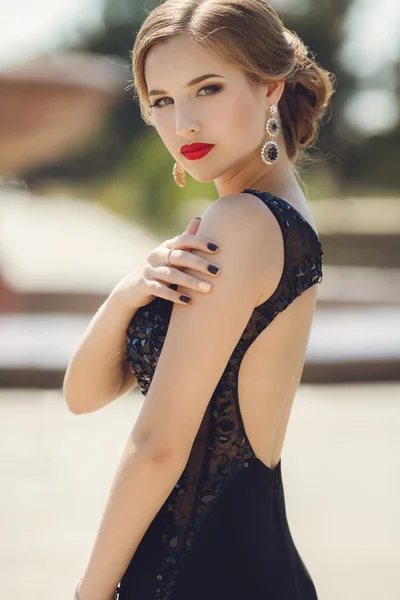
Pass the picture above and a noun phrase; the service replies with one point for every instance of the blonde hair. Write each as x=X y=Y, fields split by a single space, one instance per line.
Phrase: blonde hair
x=249 y=34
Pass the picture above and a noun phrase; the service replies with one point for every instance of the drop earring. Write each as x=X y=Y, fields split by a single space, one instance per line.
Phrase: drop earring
x=179 y=174
x=270 y=150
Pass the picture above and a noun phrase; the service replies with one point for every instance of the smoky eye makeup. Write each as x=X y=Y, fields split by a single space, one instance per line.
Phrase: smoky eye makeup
x=214 y=87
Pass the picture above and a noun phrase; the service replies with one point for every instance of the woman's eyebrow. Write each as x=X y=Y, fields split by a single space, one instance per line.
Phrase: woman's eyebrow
x=190 y=84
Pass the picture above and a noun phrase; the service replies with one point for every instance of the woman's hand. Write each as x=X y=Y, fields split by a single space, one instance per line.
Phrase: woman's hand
x=153 y=278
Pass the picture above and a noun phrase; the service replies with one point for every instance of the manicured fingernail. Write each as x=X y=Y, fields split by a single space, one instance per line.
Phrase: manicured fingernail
x=198 y=218
x=204 y=286
x=213 y=269
x=184 y=299
x=212 y=247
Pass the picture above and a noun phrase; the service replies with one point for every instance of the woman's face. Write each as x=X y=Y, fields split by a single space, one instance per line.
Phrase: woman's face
x=225 y=110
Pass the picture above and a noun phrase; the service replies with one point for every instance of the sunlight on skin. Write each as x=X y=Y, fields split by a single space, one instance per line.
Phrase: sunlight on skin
x=232 y=116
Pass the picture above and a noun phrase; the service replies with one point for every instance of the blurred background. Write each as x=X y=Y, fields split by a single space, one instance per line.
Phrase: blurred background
x=86 y=190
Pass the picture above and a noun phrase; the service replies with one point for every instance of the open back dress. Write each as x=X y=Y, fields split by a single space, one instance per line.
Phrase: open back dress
x=222 y=533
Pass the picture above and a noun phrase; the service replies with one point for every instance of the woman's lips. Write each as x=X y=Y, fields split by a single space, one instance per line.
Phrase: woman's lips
x=196 y=151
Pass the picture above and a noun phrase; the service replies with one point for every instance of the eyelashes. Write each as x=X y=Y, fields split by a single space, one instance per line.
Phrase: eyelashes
x=215 y=89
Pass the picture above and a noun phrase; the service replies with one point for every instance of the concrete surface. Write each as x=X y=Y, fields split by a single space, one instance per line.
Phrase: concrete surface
x=58 y=253
x=56 y=244
x=345 y=344
x=340 y=466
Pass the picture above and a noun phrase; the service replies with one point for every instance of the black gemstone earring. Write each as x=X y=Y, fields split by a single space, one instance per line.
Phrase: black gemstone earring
x=270 y=150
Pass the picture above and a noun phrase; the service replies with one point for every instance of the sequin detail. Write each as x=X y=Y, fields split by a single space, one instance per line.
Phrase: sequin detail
x=221 y=449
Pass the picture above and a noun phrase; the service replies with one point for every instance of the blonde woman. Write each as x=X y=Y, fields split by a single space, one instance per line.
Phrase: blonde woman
x=196 y=510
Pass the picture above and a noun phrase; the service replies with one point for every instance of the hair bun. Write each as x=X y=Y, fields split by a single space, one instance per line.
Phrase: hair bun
x=304 y=58
x=307 y=94
x=250 y=35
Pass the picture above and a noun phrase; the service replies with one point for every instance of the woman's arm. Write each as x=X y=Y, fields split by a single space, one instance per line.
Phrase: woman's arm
x=198 y=345
x=97 y=374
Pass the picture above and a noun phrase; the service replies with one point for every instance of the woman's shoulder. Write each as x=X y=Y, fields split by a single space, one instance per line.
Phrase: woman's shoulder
x=247 y=232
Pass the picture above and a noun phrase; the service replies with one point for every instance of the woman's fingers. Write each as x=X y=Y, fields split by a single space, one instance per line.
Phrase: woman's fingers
x=193 y=226
x=181 y=258
x=157 y=288
x=177 y=277
x=159 y=275
x=191 y=242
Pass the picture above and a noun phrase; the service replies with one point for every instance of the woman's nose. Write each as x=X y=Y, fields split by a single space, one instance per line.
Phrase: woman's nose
x=186 y=124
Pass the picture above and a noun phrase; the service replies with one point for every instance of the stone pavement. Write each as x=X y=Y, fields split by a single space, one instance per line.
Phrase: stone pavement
x=345 y=344
x=60 y=258
x=340 y=465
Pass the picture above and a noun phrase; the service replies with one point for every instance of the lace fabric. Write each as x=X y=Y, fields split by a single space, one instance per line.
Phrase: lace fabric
x=221 y=450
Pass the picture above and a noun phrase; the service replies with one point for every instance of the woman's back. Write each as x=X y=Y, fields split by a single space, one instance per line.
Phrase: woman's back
x=197 y=509
x=223 y=528
x=273 y=366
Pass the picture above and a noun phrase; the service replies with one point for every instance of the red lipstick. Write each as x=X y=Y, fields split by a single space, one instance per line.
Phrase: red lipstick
x=196 y=151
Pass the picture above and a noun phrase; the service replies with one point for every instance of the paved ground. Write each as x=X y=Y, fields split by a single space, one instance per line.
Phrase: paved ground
x=56 y=282
x=364 y=344
x=340 y=465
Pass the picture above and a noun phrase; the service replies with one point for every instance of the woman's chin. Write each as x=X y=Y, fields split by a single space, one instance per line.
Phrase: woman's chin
x=203 y=177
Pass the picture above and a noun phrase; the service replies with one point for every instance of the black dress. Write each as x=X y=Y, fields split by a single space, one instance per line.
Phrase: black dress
x=222 y=534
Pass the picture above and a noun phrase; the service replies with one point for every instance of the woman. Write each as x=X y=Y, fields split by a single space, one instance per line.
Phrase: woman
x=197 y=510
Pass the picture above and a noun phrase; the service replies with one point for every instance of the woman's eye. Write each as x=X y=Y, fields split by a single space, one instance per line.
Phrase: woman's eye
x=157 y=103
x=213 y=88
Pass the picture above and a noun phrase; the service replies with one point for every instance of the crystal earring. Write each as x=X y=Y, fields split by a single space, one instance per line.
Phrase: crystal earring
x=179 y=174
x=270 y=150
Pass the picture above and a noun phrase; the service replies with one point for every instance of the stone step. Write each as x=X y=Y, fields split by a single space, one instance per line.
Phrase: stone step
x=341 y=286
x=346 y=344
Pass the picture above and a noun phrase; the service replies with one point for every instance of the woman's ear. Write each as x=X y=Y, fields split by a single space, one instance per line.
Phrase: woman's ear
x=274 y=92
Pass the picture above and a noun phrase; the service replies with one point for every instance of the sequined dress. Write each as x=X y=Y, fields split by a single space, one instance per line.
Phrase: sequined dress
x=222 y=534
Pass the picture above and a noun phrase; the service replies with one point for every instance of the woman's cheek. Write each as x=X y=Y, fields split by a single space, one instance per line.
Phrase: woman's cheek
x=163 y=131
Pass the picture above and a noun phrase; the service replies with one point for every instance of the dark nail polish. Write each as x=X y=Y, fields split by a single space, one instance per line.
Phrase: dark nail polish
x=198 y=218
x=212 y=246
x=213 y=269
x=184 y=299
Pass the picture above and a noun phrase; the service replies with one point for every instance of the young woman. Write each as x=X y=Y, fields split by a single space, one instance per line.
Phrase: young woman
x=196 y=509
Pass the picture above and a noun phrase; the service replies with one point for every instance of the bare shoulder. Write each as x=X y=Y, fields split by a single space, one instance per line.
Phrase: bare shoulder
x=250 y=217
x=240 y=206
x=245 y=227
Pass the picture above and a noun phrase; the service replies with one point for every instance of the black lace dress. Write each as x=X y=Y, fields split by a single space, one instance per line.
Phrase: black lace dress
x=222 y=534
